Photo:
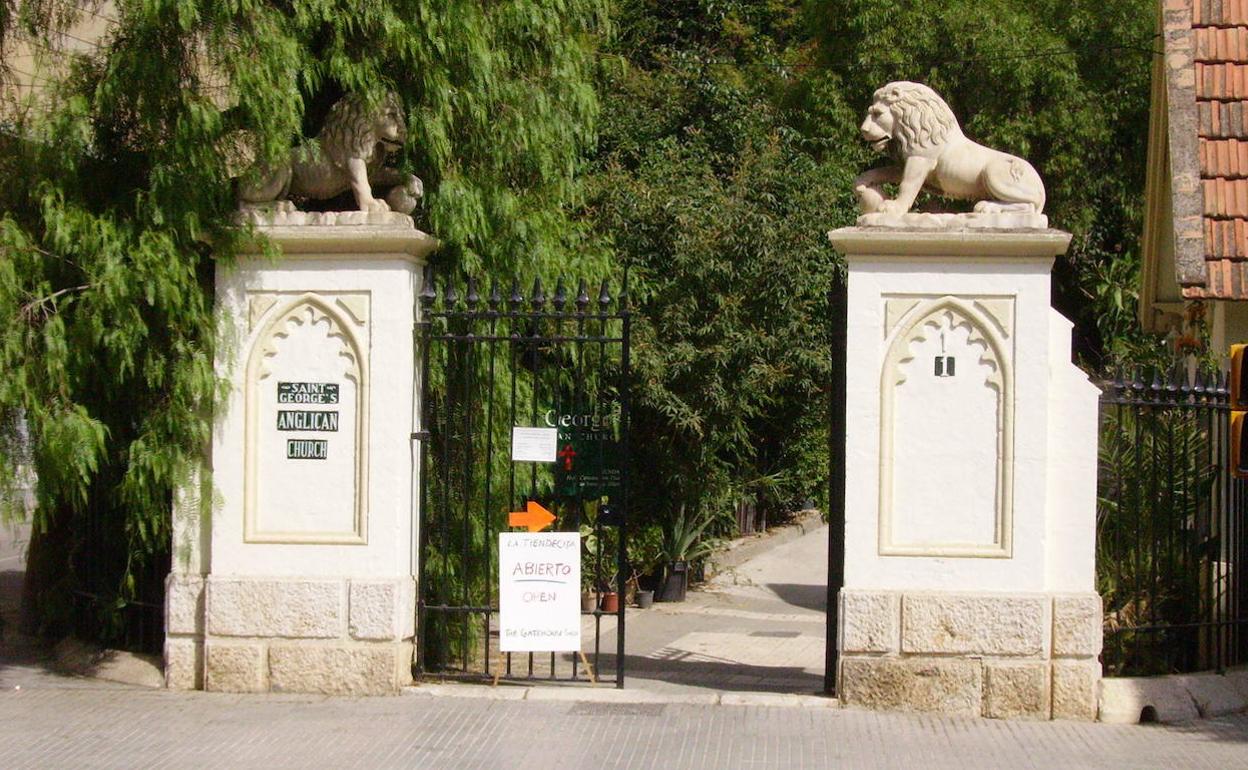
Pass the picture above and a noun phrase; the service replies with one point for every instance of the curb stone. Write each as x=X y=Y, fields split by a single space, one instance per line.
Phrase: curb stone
x=607 y=694
x=1171 y=699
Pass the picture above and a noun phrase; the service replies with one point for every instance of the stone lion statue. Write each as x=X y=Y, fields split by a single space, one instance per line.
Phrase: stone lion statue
x=910 y=122
x=350 y=154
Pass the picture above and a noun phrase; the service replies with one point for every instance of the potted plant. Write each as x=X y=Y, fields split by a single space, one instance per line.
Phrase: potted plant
x=645 y=557
x=589 y=568
x=682 y=543
x=588 y=600
x=609 y=600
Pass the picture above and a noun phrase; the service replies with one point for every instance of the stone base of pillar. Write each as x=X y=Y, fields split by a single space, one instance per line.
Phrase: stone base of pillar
x=315 y=635
x=983 y=654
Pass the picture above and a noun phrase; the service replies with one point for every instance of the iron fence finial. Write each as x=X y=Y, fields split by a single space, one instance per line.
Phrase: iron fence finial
x=561 y=296
x=582 y=297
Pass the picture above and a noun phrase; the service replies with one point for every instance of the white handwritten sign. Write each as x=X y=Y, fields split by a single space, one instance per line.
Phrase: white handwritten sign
x=539 y=591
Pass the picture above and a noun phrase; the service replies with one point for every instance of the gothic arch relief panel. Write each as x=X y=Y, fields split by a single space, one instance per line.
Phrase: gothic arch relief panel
x=306 y=445
x=947 y=423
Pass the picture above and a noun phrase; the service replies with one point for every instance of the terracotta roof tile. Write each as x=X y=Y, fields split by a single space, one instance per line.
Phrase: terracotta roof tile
x=1225 y=197
x=1221 y=80
x=1215 y=13
x=1225 y=238
x=1227 y=280
x=1222 y=44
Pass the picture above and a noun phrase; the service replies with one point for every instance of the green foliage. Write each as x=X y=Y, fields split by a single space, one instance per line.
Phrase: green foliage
x=645 y=550
x=717 y=208
x=108 y=243
x=684 y=533
x=1064 y=83
x=1153 y=552
x=728 y=143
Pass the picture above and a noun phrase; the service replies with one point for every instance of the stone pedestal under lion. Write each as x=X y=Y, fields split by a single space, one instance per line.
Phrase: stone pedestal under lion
x=970 y=512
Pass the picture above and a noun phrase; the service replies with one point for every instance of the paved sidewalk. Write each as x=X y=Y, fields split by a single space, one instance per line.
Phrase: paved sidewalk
x=80 y=723
x=689 y=714
x=758 y=627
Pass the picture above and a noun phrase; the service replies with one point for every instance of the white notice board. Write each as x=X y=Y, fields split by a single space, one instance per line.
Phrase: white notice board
x=534 y=445
x=539 y=591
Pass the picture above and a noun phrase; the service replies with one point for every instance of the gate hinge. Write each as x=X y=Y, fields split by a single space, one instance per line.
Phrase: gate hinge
x=420 y=435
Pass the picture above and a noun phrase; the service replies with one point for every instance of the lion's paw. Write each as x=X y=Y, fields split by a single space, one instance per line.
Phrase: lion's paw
x=998 y=207
x=403 y=198
x=891 y=207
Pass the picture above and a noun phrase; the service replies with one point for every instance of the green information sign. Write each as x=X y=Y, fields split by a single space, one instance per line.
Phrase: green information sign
x=587 y=461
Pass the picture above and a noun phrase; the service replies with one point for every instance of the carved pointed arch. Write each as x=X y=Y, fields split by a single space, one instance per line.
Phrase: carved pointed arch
x=280 y=320
x=913 y=326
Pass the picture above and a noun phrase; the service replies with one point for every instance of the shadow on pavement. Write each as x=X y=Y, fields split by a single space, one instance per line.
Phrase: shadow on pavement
x=805 y=595
x=713 y=675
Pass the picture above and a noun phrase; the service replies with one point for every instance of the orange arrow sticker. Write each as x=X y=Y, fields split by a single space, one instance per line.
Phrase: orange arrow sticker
x=535 y=517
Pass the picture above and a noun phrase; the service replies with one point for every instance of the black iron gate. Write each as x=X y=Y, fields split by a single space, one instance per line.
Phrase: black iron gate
x=496 y=359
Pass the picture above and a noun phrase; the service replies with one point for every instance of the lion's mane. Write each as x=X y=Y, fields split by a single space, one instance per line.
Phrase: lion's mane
x=350 y=129
x=922 y=119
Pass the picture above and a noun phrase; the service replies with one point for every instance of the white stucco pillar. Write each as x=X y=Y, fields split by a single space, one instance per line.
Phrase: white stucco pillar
x=299 y=576
x=970 y=501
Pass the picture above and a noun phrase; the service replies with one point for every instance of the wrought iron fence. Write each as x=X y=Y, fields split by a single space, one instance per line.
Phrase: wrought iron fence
x=1171 y=560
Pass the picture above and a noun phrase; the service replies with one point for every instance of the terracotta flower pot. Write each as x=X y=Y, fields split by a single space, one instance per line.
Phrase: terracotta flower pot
x=588 y=601
x=610 y=602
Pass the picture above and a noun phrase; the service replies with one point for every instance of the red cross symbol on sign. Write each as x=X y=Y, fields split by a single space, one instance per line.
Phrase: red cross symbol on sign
x=567 y=453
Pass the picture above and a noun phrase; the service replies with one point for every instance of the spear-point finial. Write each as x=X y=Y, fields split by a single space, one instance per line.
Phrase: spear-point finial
x=582 y=297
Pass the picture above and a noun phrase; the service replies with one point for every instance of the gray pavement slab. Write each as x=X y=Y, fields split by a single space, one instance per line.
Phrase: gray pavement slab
x=46 y=725
x=705 y=704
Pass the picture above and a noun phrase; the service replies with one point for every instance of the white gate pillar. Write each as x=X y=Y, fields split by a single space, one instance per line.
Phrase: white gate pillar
x=970 y=505
x=299 y=574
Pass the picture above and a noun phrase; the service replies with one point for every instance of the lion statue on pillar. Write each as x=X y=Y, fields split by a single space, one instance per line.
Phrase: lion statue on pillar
x=350 y=153
x=910 y=122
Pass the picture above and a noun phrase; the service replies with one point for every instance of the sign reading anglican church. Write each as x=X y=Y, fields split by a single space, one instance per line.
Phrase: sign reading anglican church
x=307 y=420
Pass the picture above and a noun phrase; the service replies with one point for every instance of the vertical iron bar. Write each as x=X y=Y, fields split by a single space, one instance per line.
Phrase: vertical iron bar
x=625 y=457
x=468 y=404
x=536 y=300
x=489 y=540
x=448 y=497
x=1137 y=508
x=426 y=424
x=837 y=299
x=579 y=405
